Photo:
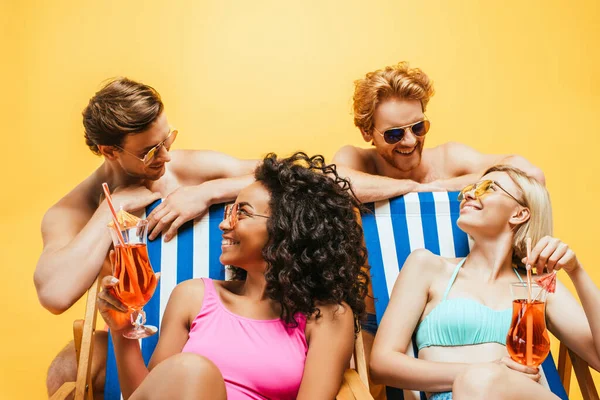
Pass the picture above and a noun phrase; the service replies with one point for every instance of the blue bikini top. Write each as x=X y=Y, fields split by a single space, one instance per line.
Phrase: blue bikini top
x=463 y=322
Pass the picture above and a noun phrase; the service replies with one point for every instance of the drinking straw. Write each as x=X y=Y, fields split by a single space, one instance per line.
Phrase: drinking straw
x=528 y=267
x=529 y=339
x=114 y=214
x=529 y=320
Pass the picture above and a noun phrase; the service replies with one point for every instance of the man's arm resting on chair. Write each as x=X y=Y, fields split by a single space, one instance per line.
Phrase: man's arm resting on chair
x=208 y=178
x=462 y=163
x=467 y=165
x=367 y=186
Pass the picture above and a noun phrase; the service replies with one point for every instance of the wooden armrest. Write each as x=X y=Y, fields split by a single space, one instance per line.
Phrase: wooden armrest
x=564 y=367
x=584 y=377
x=353 y=388
x=78 y=325
x=84 y=334
x=567 y=359
x=361 y=360
x=64 y=391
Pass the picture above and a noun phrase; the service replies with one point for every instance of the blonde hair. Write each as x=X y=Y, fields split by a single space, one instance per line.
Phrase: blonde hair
x=399 y=81
x=535 y=197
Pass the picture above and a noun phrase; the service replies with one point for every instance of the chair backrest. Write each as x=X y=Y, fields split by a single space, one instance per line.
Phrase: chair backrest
x=396 y=227
x=193 y=253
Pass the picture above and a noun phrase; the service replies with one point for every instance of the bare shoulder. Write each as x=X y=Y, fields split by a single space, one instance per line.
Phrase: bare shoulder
x=179 y=157
x=336 y=317
x=69 y=215
x=355 y=158
x=187 y=298
x=451 y=146
x=456 y=151
x=192 y=289
x=334 y=311
x=186 y=161
x=458 y=158
x=421 y=260
x=197 y=166
x=424 y=269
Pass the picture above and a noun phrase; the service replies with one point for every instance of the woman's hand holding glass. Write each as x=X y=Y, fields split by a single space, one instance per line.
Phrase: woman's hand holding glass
x=532 y=373
x=117 y=315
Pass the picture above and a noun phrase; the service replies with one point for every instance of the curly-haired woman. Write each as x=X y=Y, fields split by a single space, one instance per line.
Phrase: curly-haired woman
x=284 y=327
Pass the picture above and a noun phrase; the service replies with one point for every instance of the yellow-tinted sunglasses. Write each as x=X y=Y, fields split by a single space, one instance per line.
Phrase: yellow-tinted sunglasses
x=480 y=188
x=149 y=156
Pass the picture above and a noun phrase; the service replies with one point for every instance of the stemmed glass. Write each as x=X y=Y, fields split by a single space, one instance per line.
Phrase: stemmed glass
x=137 y=280
x=527 y=341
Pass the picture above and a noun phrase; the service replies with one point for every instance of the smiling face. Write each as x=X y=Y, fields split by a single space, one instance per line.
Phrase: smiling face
x=243 y=243
x=137 y=145
x=494 y=211
x=404 y=155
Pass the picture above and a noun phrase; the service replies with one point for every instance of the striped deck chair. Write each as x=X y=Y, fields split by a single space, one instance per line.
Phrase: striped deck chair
x=396 y=227
x=193 y=253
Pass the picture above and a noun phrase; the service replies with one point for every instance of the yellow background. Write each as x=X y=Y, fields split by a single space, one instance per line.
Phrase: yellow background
x=248 y=77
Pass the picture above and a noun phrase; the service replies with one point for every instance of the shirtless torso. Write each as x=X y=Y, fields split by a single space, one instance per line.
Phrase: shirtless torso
x=389 y=170
x=76 y=241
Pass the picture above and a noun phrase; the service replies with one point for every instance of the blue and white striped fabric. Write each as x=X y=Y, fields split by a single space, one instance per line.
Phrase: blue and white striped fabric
x=394 y=229
x=193 y=253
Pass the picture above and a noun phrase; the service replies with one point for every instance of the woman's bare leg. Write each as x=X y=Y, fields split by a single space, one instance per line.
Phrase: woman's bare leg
x=496 y=382
x=183 y=376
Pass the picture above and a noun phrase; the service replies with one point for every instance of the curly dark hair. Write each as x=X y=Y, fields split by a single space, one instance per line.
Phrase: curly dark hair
x=315 y=254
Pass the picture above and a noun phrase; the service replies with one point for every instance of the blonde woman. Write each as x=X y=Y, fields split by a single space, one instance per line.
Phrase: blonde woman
x=460 y=309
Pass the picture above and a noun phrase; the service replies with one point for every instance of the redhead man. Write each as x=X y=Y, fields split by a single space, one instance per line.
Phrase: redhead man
x=389 y=110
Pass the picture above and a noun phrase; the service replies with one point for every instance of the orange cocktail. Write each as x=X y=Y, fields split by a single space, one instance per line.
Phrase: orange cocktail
x=132 y=268
x=527 y=341
x=136 y=278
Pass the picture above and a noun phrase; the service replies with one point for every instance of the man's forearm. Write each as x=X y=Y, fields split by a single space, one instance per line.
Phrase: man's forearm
x=62 y=276
x=459 y=182
x=523 y=164
x=454 y=184
x=369 y=188
x=225 y=189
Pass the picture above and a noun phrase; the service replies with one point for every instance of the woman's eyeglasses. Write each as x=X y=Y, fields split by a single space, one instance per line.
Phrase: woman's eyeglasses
x=233 y=212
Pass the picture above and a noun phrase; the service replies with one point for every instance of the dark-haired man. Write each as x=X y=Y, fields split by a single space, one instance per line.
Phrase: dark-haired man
x=124 y=122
